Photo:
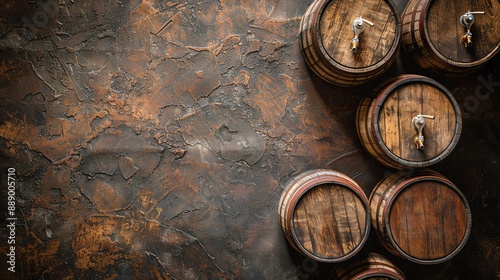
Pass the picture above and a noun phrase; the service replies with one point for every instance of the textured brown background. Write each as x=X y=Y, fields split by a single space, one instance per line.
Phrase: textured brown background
x=152 y=139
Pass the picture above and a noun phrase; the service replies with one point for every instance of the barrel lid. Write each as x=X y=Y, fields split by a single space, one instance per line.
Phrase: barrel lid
x=428 y=219
x=330 y=222
x=443 y=30
x=377 y=43
x=399 y=108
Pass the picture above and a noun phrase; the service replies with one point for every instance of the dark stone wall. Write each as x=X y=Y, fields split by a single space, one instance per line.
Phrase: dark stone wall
x=152 y=139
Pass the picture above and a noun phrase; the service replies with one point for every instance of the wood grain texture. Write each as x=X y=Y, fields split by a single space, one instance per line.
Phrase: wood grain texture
x=326 y=37
x=329 y=221
x=384 y=122
x=375 y=42
x=407 y=101
x=422 y=217
x=324 y=215
x=432 y=32
x=428 y=220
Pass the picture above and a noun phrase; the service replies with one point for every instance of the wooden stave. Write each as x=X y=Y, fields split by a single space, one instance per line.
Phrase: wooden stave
x=363 y=129
x=378 y=204
x=311 y=49
x=412 y=41
x=300 y=185
x=308 y=43
x=362 y=269
x=415 y=41
x=327 y=69
x=367 y=127
x=382 y=198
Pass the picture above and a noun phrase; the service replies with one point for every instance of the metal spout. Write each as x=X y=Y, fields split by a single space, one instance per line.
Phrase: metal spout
x=354 y=44
x=419 y=122
x=467 y=20
x=358 y=27
x=466 y=39
x=419 y=141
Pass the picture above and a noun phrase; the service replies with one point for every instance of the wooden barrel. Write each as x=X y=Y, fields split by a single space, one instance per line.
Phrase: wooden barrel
x=395 y=124
x=327 y=33
x=324 y=215
x=371 y=266
x=433 y=32
x=422 y=217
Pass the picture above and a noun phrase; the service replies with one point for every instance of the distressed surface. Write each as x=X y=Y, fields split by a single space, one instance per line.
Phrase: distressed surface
x=151 y=140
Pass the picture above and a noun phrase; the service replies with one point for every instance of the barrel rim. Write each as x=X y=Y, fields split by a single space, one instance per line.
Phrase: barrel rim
x=327 y=176
x=447 y=61
x=380 y=99
x=380 y=272
x=407 y=182
x=369 y=258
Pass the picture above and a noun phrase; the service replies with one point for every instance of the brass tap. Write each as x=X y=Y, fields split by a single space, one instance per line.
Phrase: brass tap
x=466 y=39
x=419 y=122
x=419 y=141
x=354 y=44
x=467 y=20
x=358 y=27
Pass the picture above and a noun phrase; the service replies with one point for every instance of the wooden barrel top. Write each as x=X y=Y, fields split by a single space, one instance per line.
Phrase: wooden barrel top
x=433 y=28
x=400 y=103
x=330 y=221
x=444 y=30
x=377 y=43
x=429 y=220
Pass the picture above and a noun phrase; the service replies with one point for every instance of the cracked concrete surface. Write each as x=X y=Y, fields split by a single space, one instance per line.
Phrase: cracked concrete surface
x=152 y=139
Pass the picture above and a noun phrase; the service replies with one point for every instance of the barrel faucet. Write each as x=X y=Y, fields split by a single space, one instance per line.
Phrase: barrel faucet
x=467 y=20
x=358 y=27
x=419 y=122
